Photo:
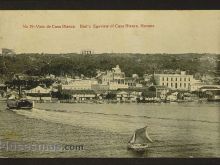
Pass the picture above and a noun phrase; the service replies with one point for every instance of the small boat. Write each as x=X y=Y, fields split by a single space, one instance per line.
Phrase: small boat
x=21 y=103
x=140 y=140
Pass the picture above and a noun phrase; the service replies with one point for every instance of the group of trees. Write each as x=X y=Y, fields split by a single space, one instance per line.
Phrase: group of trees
x=28 y=84
x=77 y=64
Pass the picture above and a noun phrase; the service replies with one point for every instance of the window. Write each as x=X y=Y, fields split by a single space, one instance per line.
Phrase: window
x=171 y=84
x=163 y=78
x=189 y=78
x=167 y=78
x=180 y=85
x=167 y=84
x=184 y=79
x=162 y=83
x=175 y=85
x=176 y=79
x=180 y=79
x=184 y=84
x=171 y=79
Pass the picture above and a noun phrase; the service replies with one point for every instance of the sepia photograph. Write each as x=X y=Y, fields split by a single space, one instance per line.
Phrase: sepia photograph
x=109 y=84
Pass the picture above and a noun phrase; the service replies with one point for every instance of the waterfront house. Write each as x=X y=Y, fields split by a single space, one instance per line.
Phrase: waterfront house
x=122 y=96
x=160 y=91
x=172 y=97
x=81 y=95
x=189 y=96
x=39 y=94
x=134 y=95
x=209 y=88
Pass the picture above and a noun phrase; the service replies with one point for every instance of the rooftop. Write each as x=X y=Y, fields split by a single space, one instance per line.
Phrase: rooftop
x=79 y=91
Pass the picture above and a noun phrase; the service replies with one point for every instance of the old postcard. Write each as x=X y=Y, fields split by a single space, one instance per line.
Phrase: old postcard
x=133 y=84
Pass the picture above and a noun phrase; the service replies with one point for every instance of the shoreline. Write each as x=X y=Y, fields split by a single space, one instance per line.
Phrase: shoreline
x=36 y=131
x=123 y=102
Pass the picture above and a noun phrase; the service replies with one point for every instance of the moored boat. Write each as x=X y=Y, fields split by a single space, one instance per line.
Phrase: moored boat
x=22 y=103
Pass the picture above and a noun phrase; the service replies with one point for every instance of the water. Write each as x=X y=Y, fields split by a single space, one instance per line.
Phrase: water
x=178 y=130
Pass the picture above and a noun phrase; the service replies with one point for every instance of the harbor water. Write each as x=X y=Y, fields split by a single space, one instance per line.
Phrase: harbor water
x=177 y=129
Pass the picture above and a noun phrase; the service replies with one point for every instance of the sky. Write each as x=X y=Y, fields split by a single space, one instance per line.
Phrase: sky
x=172 y=32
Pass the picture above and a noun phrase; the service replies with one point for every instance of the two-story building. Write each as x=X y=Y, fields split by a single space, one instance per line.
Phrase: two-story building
x=115 y=78
x=180 y=81
x=79 y=84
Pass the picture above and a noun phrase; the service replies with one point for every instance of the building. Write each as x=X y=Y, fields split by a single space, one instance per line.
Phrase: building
x=81 y=95
x=180 y=81
x=100 y=87
x=127 y=96
x=115 y=86
x=135 y=76
x=160 y=91
x=196 y=85
x=87 y=52
x=51 y=76
x=65 y=80
x=205 y=88
x=147 y=77
x=172 y=97
x=131 y=82
x=115 y=78
x=39 y=94
x=79 y=84
x=122 y=96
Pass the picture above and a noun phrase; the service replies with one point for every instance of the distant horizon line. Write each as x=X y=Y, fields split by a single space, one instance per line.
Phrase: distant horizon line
x=114 y=53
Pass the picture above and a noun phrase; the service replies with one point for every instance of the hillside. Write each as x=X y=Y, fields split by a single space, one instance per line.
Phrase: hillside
x=77 y=64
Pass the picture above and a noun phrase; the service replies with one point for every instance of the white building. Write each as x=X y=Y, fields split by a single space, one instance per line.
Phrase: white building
x=115 y=78
x=38 y=89
x=115 y=86
x=180 y=81
x=39 y=94
x=79 y=84
x=196 y=85
x=205 y=88
x=172 y=96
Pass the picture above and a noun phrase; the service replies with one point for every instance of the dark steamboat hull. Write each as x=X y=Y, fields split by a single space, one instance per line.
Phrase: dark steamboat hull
x=20 y=104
